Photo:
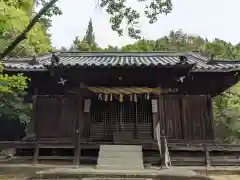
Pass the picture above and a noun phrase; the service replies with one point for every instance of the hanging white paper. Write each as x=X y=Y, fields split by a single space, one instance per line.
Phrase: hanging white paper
x=154 y=106
x=87 y=105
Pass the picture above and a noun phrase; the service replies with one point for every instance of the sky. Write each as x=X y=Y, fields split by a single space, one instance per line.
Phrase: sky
x=207 y=18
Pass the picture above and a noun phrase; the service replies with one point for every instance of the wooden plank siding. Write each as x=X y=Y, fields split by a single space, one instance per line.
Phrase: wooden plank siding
x=186 y=118
x=56 y=117
x=172 y=123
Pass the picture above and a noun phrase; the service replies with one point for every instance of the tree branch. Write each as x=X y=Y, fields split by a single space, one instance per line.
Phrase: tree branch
x=23 y=35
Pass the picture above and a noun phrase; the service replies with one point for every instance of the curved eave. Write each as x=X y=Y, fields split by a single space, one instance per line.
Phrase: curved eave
x=188 y=66
x=120 y=66
x=25 y=69
x=216 y=70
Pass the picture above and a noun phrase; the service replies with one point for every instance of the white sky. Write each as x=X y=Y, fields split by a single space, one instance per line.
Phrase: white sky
x=207 y=18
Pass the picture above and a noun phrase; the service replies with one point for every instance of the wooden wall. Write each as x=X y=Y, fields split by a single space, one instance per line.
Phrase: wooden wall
x=56 y=117
x=181 y=117
x=186 y=117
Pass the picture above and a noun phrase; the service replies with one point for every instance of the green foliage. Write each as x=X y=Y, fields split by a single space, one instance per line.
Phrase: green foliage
x=88 y=43
x=227 y=115
x=12 y=91
x=120 y=13
x=14 y=16
x=46 y=18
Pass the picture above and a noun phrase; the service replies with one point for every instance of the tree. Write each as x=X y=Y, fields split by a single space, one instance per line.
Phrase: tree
x=227 y=115
x=12 y=91
x=80 y=45
x=117 y=9
x=89 y=37
x=14 y=16
x=120 y=11
x=88 y=43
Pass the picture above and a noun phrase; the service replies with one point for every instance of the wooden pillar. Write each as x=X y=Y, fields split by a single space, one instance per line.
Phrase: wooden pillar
x=161 y=124
x=213 y=130
x=161 y=112
x=77 y=148
x=155 y=118
x=36 y=127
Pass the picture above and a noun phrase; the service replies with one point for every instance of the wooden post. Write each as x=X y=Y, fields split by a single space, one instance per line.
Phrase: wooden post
x=161 y=124
x=77 y=148
x=36 y=128
x=211 y=118
x=207 y=156
x=136 y=120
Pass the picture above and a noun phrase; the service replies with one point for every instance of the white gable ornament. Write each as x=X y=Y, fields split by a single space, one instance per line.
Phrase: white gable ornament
x=181 y=79
x=62 y=81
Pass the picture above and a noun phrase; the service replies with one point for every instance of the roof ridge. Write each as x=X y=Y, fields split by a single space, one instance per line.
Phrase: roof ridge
x=136 y=54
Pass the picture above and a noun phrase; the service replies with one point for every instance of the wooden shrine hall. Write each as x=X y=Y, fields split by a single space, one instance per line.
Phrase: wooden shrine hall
x=99 y=98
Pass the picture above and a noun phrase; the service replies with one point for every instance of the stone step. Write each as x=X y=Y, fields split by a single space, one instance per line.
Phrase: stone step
x=120 y=167
x=108 y=178
x=121 y=148
x=120 y=160
x=120 y=157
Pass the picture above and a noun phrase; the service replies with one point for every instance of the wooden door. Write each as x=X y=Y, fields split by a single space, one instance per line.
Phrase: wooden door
x=56 y=117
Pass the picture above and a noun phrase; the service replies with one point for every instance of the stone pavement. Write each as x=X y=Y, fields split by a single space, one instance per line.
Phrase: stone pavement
x=163 y=174
x=226 y=177
x=18 y=171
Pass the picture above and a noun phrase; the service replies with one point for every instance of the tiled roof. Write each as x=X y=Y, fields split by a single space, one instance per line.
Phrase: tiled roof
x=120 y=59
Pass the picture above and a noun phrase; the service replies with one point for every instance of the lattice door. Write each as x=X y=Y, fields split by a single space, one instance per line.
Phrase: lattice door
x=110 y=117
x=127 y=118
x=144 y=120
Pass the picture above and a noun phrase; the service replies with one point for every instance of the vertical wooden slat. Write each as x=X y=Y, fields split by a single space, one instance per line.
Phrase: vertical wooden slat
x=212 y=126
x=136 y=120
x=161 y=111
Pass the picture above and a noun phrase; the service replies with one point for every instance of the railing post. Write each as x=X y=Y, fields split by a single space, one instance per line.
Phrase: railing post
x=207 y=156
